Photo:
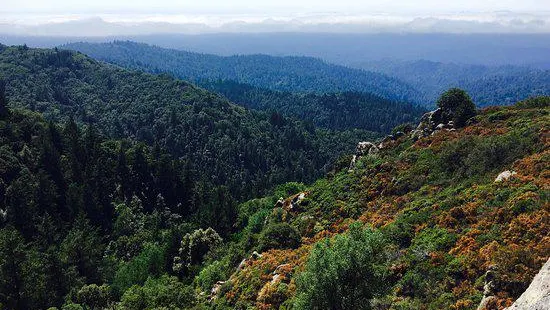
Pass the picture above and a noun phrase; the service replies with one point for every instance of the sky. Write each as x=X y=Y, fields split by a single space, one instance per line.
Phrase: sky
x=108 y=17
x=277 y=6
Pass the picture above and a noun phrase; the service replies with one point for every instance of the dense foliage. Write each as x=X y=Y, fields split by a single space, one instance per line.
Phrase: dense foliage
x=223 y=144
x=63 y=190
x=335 y=111
x=344 y=273
x=296 y=74
x=488 y=85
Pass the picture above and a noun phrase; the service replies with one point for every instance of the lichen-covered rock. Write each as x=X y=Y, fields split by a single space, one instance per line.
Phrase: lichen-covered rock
x=216 y=290
x=489 y=289
x=505 y=176
x=537 y=295
x=363 y=149
x=431 y=123
x=295 y=202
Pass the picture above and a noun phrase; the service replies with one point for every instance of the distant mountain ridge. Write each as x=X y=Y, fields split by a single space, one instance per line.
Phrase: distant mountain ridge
x=488 y=85
x=289 y=73
x=420 y=81
x=341 y=48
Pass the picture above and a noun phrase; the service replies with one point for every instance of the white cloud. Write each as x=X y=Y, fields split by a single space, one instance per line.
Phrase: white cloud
x=131 y=24
x=272 y=6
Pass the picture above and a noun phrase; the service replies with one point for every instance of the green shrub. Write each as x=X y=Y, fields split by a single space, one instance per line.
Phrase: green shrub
x=288 y=189
x=71 y=306
x=194 y=246
x=475 y=156
x=256 y=221
x=94 y=296
x=412 y=284
x=457 y=106
x=150 y=262
x=209 y=275
x=434 y=239
x=165 y=292
x=279 y=236
x=344 y=273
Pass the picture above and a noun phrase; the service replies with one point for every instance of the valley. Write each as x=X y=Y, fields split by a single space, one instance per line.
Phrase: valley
x=274 y=170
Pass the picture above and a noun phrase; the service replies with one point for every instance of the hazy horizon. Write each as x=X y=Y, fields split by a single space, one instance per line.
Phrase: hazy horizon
x=101 y=17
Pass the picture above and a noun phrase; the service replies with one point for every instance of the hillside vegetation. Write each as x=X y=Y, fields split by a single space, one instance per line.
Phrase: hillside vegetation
x=421 y=225
x=295 y=74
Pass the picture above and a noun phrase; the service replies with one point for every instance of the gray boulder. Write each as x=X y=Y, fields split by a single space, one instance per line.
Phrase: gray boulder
x=430 y=123
x=537 y=295
x=363 y=149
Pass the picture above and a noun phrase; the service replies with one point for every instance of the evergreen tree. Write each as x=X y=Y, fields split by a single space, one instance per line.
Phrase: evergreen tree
x=3 y=101
x=123 y=174
x=13 y=253
x=457 y=106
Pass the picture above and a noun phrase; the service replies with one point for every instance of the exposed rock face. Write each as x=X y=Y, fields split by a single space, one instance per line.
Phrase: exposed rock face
x=430 y=123
x=505 y=176
x=293 y=203
x=3 y=215
x=363 y=149
x=281 y=268
x=281 y=275
x=254 y=256
x=242 y=264
x=296 y=201
x=537 y=295
x=488 y=289
x=366 y=148
x=216 y=290
x=280 y=203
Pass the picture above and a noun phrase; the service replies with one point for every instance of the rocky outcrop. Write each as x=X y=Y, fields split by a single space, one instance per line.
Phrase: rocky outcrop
x=430 y=123
x=271 y=291
x=280 y=203
x=254 y=256
x=215 y=291
x=3 y=215
x=489 y=289
x=280 y=268
x=296 y=201
x=293 y=203
x=366 y=148
x=505 y=176
x=537 y=295
x=390 y=138
x=363 y=149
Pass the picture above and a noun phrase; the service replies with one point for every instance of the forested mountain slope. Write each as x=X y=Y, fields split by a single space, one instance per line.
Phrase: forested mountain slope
x=488 y=85
x=225 y=144
x=338 y=111
x=78 y=210
x=88 y=222
x=296 y=74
